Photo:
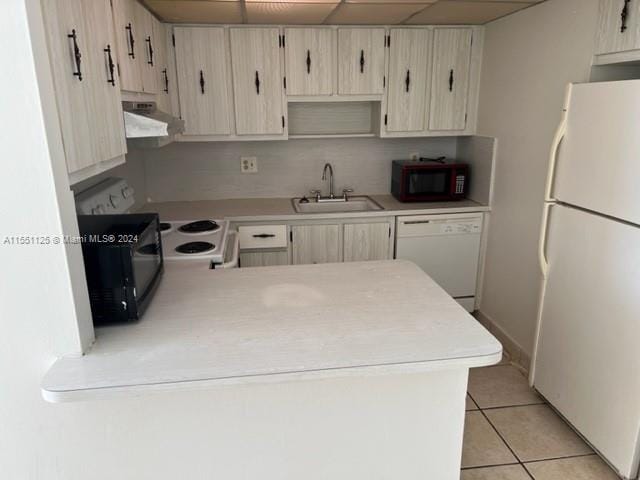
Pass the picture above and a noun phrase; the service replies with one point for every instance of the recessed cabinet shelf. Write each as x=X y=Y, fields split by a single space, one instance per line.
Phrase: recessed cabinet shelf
x=309 y=120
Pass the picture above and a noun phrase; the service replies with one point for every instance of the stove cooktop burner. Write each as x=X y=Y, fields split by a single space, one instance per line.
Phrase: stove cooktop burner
x=199 y=226
x=192 y=248
x=164 y=226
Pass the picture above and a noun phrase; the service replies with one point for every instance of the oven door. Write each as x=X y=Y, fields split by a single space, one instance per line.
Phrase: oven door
x=146 y=265
x=428 y=183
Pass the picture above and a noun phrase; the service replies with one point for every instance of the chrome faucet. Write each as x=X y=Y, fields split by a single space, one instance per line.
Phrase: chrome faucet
x=324 y=177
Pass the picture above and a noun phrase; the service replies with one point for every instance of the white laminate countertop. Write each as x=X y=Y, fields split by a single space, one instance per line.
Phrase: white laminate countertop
x=211 y=327
x=274 y=209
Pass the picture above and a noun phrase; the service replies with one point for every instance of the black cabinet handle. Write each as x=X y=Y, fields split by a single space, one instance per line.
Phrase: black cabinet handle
x=407 y=80
x=111 y=66
x=257 y=83
x=166 y=81
x=202 y=82
x=361 y=61
x=308 y=61
x=624 y=15
x=148 y=40
x=77 y=56
x=264 y=235
x=451 y=80
x=131 y=52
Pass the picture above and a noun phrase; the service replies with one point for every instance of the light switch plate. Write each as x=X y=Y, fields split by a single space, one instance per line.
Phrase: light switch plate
x=414 y=156
x=249 y=164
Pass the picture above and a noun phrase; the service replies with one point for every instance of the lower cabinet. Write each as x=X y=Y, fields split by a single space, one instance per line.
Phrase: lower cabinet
x=264 y=259
x=315 y=244
x=367 y=241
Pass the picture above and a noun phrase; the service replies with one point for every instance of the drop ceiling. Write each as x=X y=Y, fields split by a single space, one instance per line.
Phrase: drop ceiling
x=336 y=12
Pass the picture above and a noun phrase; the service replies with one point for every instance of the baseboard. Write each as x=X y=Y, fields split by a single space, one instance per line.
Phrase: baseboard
x=516 y=353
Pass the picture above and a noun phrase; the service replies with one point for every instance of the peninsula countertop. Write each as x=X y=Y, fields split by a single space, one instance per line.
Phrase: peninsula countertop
x=274 y=209
x=215 y=327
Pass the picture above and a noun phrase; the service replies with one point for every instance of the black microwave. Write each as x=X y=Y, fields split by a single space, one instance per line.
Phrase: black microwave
x=123 y=264
x=427 y=180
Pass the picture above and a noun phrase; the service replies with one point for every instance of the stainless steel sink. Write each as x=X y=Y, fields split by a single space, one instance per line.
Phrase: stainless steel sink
x=353 y=204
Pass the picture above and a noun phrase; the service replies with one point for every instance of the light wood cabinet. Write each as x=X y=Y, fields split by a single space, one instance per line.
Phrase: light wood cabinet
x=161 y=53
x=264 y=258
x=309 y=61
x=315 y=244
x=367 y=241
x=409 y=58
x=618 y=26
x=257 y=81
x=201 y=59
x=80 y=43
x=450 y=78
x=361 y=54
x=147 y=60
x=129 y=40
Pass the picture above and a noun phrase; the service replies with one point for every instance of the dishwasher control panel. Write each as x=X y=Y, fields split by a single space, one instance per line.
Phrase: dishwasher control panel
x=459 y=224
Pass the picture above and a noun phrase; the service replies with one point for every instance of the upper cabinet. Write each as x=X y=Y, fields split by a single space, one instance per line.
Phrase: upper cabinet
x=147 y=60
x=409 y=60
x=361 y=55
x=161 y=60
x=257 y=81
x=203 y=80
x=618 y=27
x=82 y=56
x=450 y=78
x=309 y=61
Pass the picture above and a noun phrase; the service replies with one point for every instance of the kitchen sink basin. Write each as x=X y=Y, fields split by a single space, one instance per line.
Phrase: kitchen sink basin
x=353 y=204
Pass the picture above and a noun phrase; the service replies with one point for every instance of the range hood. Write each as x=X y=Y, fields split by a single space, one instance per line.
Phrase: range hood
x=144 y=120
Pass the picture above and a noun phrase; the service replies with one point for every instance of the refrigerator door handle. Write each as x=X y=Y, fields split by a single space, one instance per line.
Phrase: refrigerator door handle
x=557 y=139
x=542 y=242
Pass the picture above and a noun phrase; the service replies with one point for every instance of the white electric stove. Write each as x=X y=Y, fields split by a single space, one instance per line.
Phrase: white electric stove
x=195 y=240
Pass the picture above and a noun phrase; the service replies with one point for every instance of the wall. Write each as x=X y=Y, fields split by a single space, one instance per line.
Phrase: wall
x=529 y=57
x=204 y=171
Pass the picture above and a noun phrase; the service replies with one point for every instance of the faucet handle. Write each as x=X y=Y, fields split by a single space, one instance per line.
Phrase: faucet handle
x=346 y=192
x=316 y=193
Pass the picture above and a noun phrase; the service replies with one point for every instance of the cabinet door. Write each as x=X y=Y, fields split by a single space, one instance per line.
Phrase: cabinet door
x=366 y=241
x=147 y=60
x=107 y=125
x=315 y=244
x=361 y=61
x=201 y=58
x=161 y=61
x=257 y=81
x=407 y=93
x=130 y=44
x=309 y=61
x=264 y=259
x=614 y=33
x=450 y=79
x=73 y=95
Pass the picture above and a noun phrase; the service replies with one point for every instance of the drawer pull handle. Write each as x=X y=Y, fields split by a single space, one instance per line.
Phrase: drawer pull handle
x=361 y=61
x=308 y=61
x=264 y=235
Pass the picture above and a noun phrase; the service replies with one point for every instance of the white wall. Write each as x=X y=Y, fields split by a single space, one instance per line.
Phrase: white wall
x=206 y=171
x=529 y=57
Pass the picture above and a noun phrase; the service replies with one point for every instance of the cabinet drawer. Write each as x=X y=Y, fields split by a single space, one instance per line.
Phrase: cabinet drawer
x=263 y=236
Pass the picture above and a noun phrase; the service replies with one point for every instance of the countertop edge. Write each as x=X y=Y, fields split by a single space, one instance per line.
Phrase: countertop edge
x=67 y=396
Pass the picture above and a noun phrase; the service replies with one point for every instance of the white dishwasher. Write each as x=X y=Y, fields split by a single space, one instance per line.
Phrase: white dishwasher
x=447 y=247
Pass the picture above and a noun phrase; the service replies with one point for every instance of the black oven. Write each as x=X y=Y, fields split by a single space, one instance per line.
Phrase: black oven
x=428 y=180
x=123 y=264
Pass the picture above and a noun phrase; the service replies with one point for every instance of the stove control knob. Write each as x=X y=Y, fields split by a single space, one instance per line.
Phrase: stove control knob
x=115 y=200
x=127 y=192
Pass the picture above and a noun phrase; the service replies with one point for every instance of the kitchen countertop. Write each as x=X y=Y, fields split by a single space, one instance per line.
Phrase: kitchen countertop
x=207 y=328
x=273 y=209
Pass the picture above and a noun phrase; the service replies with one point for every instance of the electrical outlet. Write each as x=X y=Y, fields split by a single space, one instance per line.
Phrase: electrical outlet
x=249 y=164
x=414 y=156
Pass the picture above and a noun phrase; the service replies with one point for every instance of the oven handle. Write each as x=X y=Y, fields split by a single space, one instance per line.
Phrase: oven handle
x=232 y=239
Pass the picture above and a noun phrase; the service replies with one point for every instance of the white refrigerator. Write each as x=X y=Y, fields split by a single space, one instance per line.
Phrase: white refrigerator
x=587 y=353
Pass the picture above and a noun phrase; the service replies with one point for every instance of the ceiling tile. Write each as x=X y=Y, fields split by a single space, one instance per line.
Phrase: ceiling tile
x=373 y=14
x=196 y=11
x=293 y=1
x=390 y=2
x=465 y=12
x=288 y=13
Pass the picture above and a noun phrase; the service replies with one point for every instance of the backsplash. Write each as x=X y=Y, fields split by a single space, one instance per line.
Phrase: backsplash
x=210 y=171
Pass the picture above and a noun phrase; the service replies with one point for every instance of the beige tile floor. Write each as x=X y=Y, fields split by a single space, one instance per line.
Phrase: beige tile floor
x=512 y=434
